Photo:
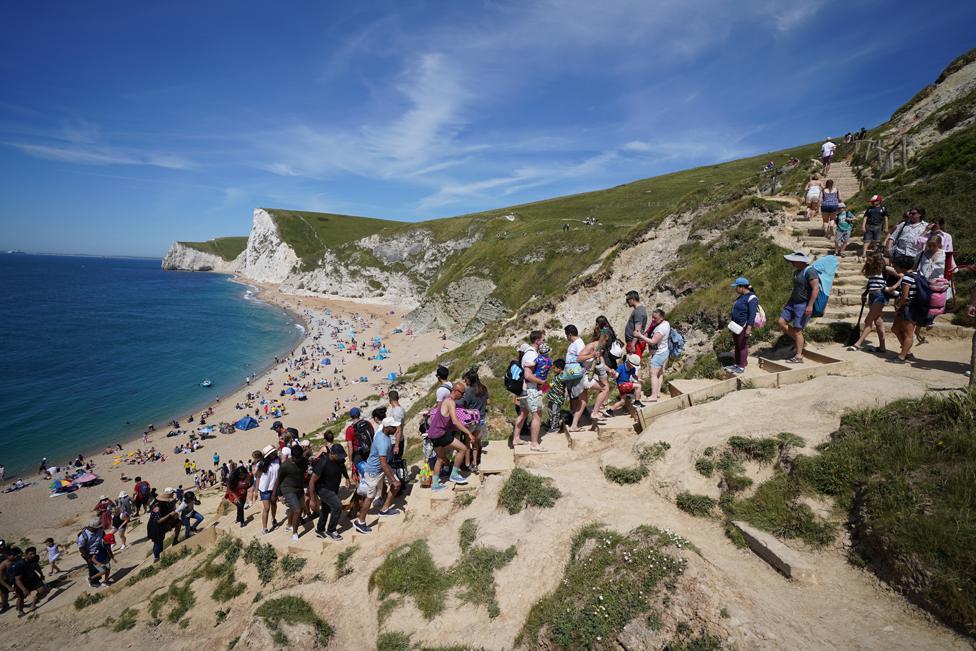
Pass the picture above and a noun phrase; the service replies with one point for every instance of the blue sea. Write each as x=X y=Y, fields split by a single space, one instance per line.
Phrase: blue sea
x=94 y=349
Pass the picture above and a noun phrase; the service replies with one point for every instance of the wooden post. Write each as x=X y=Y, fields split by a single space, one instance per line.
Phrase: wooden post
x=904 y=151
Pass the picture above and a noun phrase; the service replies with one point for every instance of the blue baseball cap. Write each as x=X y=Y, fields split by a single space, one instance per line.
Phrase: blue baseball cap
x=741 y=281
x=354 y=412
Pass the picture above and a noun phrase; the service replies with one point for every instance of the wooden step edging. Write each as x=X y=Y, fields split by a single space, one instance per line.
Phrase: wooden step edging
x=777 y=375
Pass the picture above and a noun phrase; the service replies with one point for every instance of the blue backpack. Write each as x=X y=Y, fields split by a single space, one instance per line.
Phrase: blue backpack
x=676 y=343
x=825 y=268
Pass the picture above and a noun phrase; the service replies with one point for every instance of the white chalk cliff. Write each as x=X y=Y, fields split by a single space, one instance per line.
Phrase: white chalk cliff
x=397 y=269
x=181 y=257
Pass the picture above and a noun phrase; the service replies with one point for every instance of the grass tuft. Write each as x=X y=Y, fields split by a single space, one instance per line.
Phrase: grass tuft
x=609 y=580
x=410 y=570
x=705 y=466
x=651 y=452
x=263 y=557
x=522 y=489
x=393 y=641
x=292 y=610
x=291 y=564
x=468 y=534
x=698 y=505
x=125 y=621
x=342 y=561
x=631 y=475
x=86 y=599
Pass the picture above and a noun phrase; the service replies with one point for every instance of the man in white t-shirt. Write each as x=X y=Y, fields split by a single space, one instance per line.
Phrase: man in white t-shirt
x=827 y=154
x=530 y=402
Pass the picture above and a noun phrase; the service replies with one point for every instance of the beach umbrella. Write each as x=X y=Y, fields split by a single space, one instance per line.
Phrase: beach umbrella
x=391 y=376
x=58 y=484
x=85 y=478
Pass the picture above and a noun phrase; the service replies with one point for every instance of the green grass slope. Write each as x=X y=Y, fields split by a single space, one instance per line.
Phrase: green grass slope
x=226 y=248
x=310 y=234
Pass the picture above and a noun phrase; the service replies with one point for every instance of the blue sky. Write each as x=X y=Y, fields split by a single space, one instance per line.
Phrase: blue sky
x=125 y=126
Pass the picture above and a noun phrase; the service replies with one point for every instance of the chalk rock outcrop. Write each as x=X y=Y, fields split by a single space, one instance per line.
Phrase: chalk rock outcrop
x=267 y=258
x=181 y=257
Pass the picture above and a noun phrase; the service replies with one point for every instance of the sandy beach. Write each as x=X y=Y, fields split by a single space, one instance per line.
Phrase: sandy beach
x=31 y=513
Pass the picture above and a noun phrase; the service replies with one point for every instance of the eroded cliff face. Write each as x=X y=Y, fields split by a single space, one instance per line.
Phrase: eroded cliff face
x=181 y=257
x=267 y=258
x=396 y=269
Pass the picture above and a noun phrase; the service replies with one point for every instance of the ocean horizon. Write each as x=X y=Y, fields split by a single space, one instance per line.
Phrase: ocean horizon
x=93 y=349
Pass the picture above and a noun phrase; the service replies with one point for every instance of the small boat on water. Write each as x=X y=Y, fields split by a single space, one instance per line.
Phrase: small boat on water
x=207 y=383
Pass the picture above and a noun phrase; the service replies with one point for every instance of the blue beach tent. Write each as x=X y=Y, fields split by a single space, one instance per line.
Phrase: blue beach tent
x=326 y=361
x=391 y=376
x=246 y=423
x=290 y=391
x=384 y=350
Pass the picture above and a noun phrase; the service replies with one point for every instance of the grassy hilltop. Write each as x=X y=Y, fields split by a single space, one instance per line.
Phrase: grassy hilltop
x=226 y=248
x=535 y=231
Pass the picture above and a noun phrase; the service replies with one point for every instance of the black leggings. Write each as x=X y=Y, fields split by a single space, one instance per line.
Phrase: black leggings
x=240 y=510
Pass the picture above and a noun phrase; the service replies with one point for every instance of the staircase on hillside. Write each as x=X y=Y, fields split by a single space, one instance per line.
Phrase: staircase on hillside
x=845 y=297
x=844 y=179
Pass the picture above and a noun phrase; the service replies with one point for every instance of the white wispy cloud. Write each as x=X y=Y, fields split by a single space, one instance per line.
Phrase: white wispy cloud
x=101 y=155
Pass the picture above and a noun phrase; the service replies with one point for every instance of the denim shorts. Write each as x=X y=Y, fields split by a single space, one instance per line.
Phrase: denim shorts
x=265 y=495
x=879 y=298
x=795 y=315
x=660 y=356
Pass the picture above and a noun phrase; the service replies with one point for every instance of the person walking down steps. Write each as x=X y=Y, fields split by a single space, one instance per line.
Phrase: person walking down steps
x=799 y=308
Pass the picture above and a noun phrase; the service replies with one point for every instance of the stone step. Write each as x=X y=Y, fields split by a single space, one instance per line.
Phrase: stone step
x=556 y=446
x=785 y=560
x=496 y=459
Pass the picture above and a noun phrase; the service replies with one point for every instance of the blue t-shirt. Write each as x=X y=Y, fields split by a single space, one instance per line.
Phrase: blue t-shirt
x=382 y=447
x=624 y=374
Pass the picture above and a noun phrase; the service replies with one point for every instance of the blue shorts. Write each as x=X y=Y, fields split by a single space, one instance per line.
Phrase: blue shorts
x=265 y=495
x=795 y=315
x=880 y=298
x=660 y=356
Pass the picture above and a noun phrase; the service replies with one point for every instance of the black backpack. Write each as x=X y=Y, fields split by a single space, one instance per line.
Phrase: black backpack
x=364 y=438
x=515 y=377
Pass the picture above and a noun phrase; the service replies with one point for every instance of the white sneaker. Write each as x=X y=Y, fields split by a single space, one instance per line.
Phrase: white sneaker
x=120 y=548
x=294 y=537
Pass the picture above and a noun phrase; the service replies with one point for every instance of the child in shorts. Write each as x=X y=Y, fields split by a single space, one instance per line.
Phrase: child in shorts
x=845 y=226
x=54 y=552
